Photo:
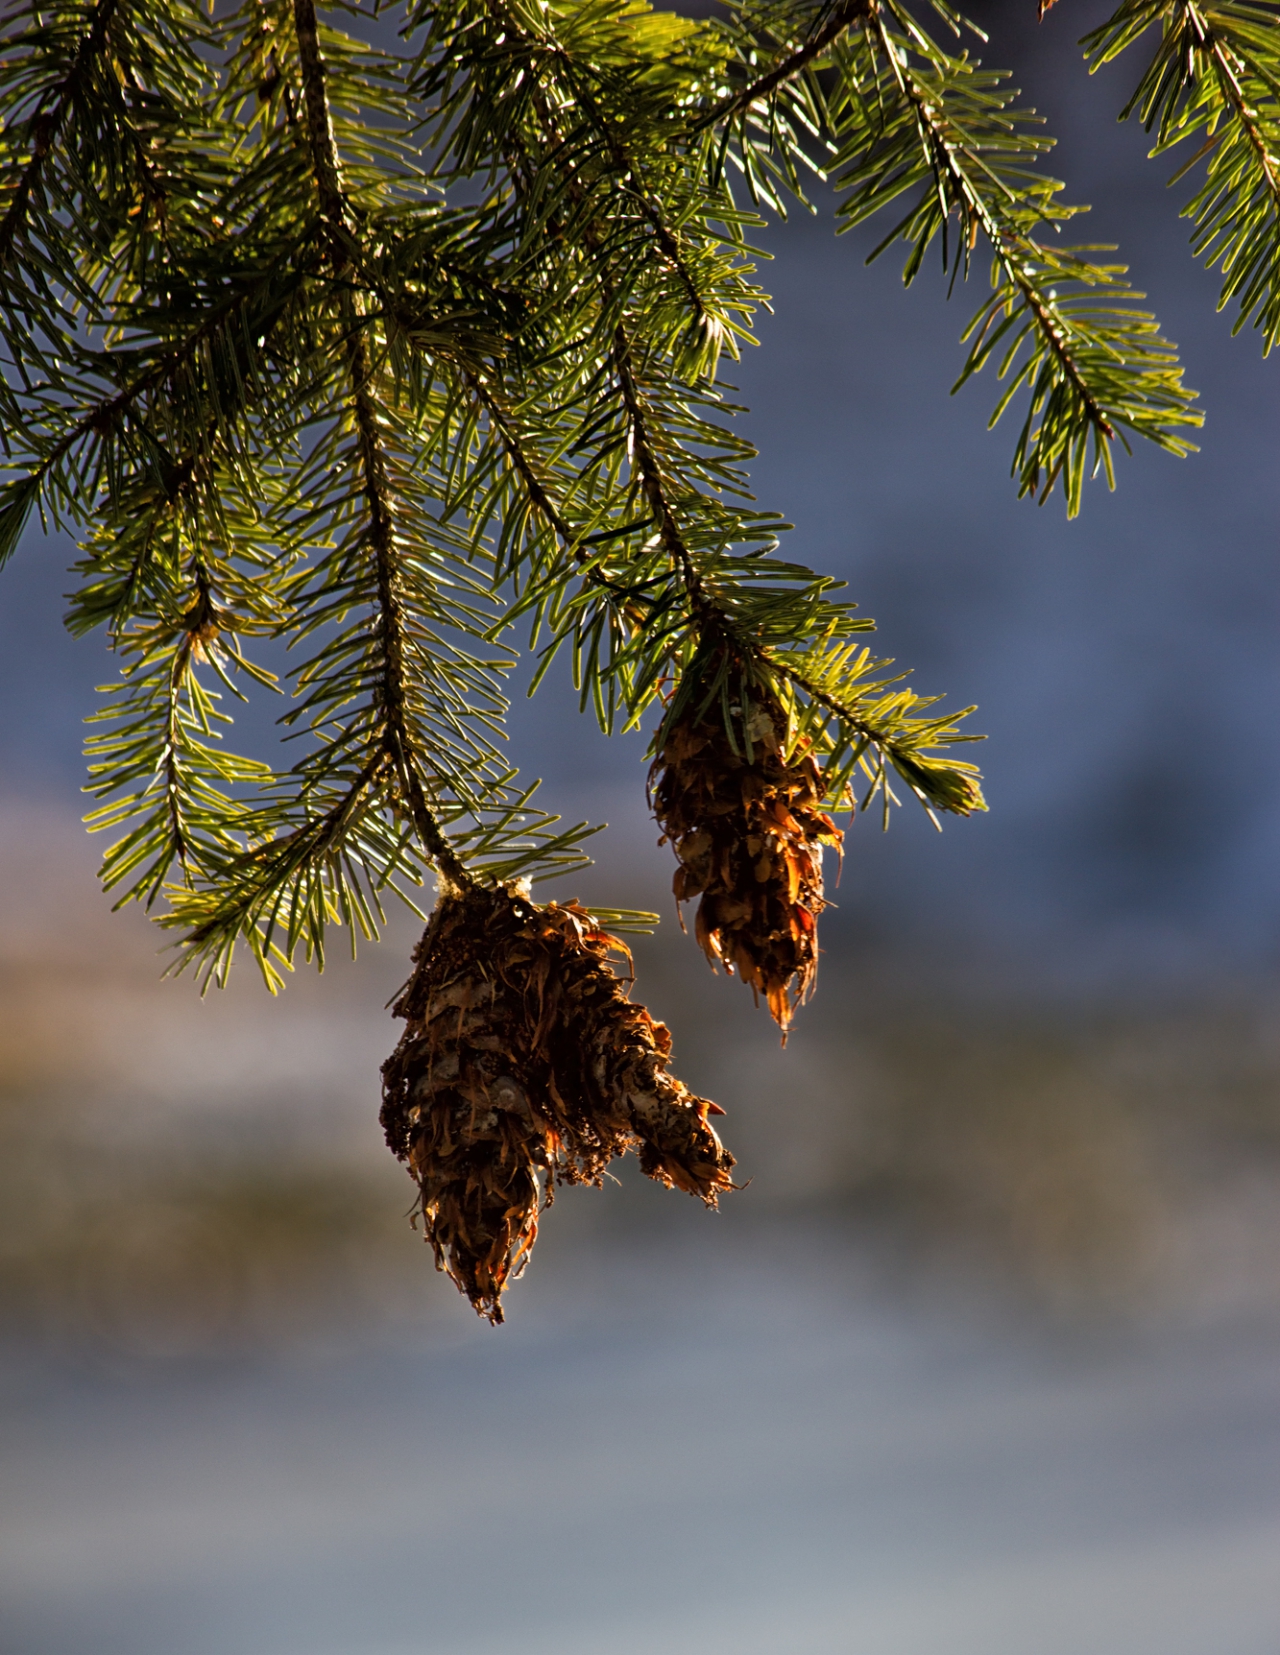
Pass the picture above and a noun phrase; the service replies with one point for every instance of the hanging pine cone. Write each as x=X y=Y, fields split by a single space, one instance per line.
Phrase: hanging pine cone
x=748 y=829
x=525 y=1065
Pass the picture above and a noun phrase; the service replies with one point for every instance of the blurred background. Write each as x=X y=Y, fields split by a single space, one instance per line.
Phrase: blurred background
x=987 y=1355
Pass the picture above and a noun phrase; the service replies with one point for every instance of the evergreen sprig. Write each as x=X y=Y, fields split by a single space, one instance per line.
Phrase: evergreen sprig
x=1215 y=77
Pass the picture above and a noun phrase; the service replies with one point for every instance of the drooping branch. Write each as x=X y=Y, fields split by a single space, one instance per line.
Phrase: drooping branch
x=398 y=736
x=651 y=481
x=711 y=620
x=947 y=159
x=842 y=16
x=47 y=123
x=104 y=416
x=708 y=619
x=624 y=165
x=540 y=496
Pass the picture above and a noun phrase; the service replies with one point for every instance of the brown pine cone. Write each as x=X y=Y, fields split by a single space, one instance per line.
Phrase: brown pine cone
x=523 y=1065
x=748 y=828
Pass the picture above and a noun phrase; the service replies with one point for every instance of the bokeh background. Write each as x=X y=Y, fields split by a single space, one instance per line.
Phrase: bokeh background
x=987 y=1355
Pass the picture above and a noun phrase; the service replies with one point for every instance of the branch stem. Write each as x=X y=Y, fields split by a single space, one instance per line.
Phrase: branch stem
x=841 y=17
x=47 y=123
x=398 y=737
x=944 y=156
x=708 y=614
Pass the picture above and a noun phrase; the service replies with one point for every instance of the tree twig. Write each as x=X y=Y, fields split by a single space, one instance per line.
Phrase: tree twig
x=398 y=737
x=841 y=17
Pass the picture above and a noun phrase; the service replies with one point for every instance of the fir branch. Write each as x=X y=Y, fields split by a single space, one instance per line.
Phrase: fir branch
x=953 y=787
x=300 y=391
x=319 y=125
x=652 y=483
x=1229 y=70
x=161 y=741
x=1215 y=74
x=904 y=742
x=206 y=425
x=400 y=741
x=398 y=735
x=251 y=899
x=962 y=172
x=46 y=123
x=624 y=164
x=704 y=623
x=574 y=543
x=628 y=169
x=872 y=720
x=840 y=17
x=911 y=115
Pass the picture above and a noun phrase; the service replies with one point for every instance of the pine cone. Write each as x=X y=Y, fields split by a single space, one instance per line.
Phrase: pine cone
x=748 y=833
x=525 y=1065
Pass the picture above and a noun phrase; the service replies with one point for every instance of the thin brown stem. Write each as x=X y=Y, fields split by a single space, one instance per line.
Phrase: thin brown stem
x=398 y=736
x=652 y=482
x=517 y=454
x=943 y=155
x=319 y=127
x=662 y=234
x=540 y=495
x=840 y=18
x=47 y=123
x=1230 y=81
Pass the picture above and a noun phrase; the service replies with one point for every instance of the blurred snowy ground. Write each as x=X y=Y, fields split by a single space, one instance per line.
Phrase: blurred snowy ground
x=736 y=1441
x=986 y=1358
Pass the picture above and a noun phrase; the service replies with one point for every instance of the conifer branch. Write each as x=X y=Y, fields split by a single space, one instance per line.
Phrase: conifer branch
x=706 y=622
x=504 y=425
x=173 y=789
x=627 y=168
x=572 y=541
x=909 y=115
x=624 y=164
x=401 y=746
x=933 y=781
x=651 y=481
x=319 y=126
x=399 y=739
x=1229 y=79
x=260 y=348
x=378 y=355
x=905 y=743
x=1216 y=72
x=953 y=162
x=46 y=124
x=161 y=740
x=209 y=429
x=264 y=872
x=843 y=15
